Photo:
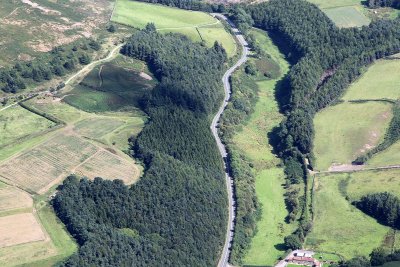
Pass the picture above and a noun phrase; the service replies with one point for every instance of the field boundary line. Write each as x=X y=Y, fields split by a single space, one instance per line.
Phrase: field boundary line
x=188 y=27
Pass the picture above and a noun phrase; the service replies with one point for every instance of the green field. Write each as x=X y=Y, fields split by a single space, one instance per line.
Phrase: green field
x=346 y=130
x=338 y=226
x=335 y=3
x=377 y=82
x=252 y=141
x=367 y=182
x=18 y=124
x=168 y=19
x=348 y=16
x=345 y=13
x=109 y=88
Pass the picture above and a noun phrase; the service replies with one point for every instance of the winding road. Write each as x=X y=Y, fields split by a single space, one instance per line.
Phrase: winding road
x=214 y=128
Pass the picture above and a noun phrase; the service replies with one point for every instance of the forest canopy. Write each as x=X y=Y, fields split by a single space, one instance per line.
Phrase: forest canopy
x=176 y=214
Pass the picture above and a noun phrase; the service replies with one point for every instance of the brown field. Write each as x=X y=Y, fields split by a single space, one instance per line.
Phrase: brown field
x=12 y=198
x=41 y=167
x=109 y=166
x=18 y=229
x=47 y=164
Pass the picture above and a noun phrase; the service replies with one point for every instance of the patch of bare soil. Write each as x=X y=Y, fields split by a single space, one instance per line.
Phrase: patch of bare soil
x=345 y=167
x=146 y=76
x=43 y=9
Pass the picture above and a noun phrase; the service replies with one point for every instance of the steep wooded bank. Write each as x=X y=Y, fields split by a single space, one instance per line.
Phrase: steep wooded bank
x=176 y=214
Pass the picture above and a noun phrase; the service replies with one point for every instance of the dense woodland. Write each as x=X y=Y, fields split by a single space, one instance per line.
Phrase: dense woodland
x=45 y=67
x=176 y=214
x=384 y=3
x=197 y=5
x=385 y=207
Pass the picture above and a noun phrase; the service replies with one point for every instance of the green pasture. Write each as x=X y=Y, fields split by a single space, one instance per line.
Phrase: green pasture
x=109 y=88
x=268 y=244
x=138 y=14
x=334 y=3
x=368 y=182
x=58 y=109
x=17 y=124
x=377 y=82
x=196 y=25
x=347 y=17
x=346 y=130
x=252 y=141
x=338 y=226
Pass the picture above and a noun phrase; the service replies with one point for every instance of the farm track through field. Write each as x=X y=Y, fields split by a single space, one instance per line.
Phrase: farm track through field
x=221 y=147
x=357 y=168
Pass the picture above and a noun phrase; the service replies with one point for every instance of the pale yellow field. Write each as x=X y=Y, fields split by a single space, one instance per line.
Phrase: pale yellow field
x=12 y=198
x=37 y=169
x=18 y=229
x=109 y=166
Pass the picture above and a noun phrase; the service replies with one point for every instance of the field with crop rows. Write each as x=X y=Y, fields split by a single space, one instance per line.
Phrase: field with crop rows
x=107 y=165
x=45 y=164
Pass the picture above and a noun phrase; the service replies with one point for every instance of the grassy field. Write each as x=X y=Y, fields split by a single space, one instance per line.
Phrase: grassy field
x=367 y=182
x=48 y=162
x=377 y=82
x=252 y=141
x=344 y=13
x=168 y=19
x=336 y=3
x=18 y=124
x=344 y=131
x=347 y=16
x=109 y=88
x=338 y=226
x=109 y=166
x=12 y=198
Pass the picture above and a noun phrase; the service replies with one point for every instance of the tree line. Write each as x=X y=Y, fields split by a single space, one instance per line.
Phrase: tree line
x=383 y=3
x=176 y=214
x=56 y=63
x=385 y=207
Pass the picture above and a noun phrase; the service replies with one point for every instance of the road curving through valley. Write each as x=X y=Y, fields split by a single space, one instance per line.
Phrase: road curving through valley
x=223 y=261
